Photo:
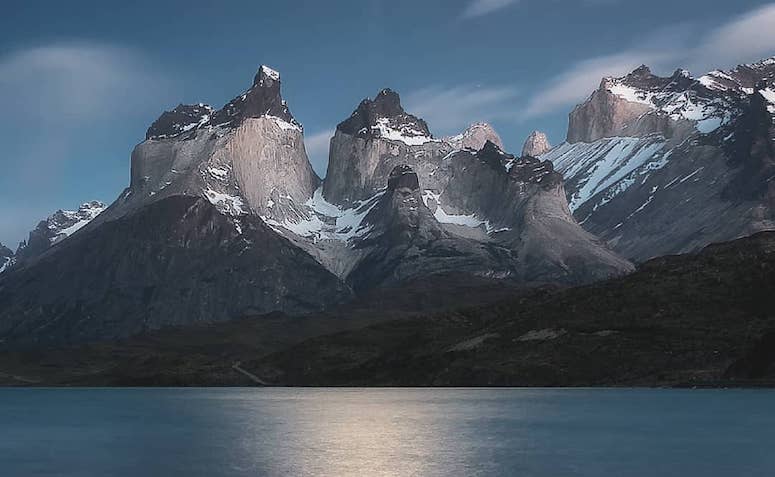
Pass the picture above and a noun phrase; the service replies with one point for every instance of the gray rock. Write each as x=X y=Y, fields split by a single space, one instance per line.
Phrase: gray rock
x=224 y=217
x=694 y=167
x=55 y=228
x=536 y=144
x=475 y=137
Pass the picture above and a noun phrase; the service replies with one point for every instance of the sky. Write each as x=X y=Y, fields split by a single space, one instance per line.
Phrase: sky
x=81 y=81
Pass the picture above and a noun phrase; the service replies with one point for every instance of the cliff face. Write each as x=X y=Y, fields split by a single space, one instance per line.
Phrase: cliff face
x=224 y=217
x=249 y=155
x=188 y=240
x=658 y=166
x=629 y=106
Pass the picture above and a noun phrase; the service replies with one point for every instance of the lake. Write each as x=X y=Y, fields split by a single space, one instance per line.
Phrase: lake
x=386 y=432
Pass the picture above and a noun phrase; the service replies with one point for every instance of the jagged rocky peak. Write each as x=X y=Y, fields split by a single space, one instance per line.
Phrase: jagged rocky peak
x=263 y=99
x=475 y=136
x=57 y=227
x=641 y=103
x=492 y=155
x=248 y=157
x=532 y=170
x=183 y=118
x=697 y=153
x=63 y=223
x=536 y=144
x=384 y=117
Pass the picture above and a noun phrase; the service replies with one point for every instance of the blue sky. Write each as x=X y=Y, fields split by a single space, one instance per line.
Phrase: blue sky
x=81 y=81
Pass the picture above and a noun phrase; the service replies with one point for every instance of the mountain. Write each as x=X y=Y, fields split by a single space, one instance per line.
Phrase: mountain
x=225 y=218
x=57 y=227
x=536 y=144
x=187 y=241
x=660 y=165
x=699 y=319
x=510 y=213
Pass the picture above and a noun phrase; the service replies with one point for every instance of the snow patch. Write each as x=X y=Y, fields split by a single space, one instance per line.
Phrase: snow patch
x=405 y=133
x=327 y=220
x=218 y=172
x=269 y=72
x=230 y=204
x=283 y=124
x=601 y=165
x=465 y=220
x=769 y=95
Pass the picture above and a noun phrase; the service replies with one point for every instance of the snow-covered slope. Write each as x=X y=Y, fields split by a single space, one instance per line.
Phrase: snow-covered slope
x=57 y=227
x=659 y=165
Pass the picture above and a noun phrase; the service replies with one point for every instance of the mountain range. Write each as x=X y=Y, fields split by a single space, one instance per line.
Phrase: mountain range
x=662 y=165
x=224 y=217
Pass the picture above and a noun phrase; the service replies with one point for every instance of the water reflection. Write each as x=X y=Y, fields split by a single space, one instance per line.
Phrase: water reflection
x=384 y=432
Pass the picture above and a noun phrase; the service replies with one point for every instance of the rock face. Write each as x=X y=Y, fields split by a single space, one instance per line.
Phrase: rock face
x=660 y=166
x=405 y=241
x=248 y=157
x=224 y=217
x=57 y=227
x=475 y=137
x=624 y=107
x=187 y=241
x=537 y=144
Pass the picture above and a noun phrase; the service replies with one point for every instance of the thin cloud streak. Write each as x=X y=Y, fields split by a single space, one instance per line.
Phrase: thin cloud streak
x=63 y=97
x=726 y=46
x=449 y=110
x=478 y=8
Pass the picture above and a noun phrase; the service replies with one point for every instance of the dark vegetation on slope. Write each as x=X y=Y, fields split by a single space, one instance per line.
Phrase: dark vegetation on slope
x=695 y=319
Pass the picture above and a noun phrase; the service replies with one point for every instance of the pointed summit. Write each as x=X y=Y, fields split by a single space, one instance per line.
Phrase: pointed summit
x=262 y=99
x=536 y=144
x=384 y=117
x=265 y=75
x=641 y=70
x=475 y=137
x=494 y=156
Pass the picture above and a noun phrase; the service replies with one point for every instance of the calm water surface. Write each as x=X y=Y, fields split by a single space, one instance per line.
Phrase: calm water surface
x=380 y=432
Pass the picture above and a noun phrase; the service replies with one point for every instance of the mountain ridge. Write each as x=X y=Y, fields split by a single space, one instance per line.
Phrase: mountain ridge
x=659 y=165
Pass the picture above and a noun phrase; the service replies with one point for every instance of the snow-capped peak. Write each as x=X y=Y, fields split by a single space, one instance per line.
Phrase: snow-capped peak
x=64 y=223
x=703 y=101
x=384 y=117
x=269 y=73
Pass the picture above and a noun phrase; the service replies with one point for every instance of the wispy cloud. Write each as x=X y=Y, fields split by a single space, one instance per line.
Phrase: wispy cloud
x=317 y=150
x=478 y=8
x=577 y=82
x=746 y=38
x=63 y=97
x=451 y=109
x=77 y=81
